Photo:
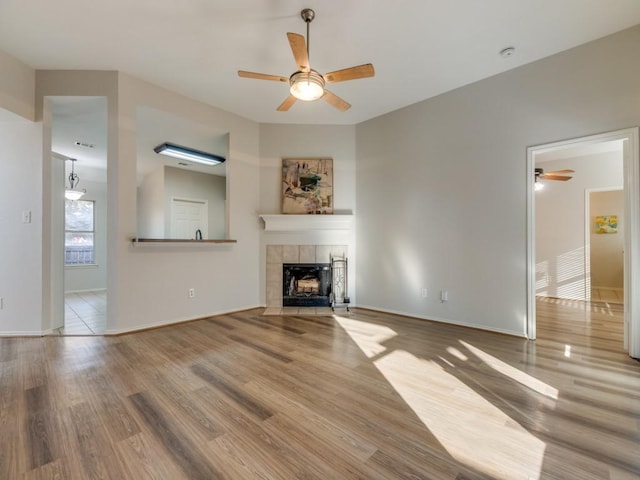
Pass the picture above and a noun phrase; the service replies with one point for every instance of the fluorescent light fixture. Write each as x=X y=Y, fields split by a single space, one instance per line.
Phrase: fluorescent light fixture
x=189 y=154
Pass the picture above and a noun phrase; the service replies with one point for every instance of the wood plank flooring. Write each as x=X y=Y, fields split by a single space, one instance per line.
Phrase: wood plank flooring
x=364 y=395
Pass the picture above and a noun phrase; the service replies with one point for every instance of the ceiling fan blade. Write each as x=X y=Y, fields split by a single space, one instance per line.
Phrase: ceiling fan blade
x=546 y=176
x=262 y=76
x=336 y=101
x=556 y=172
x=286 y=105
x=299 y=49
x=352 y=73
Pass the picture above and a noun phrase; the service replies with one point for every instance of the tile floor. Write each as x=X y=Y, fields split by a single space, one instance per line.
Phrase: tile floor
x=85 y=313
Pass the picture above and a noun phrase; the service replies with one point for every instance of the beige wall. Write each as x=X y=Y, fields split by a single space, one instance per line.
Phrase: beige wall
x=17 y=85
x=150 y=205
x=440 y=189
x=152 y=282
x=441 y=185
x=303 y=141
x=147 y=286
x=607 y=250
x=20 y=243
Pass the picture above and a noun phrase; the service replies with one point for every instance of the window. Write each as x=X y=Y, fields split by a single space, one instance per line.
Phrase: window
x=79 y=232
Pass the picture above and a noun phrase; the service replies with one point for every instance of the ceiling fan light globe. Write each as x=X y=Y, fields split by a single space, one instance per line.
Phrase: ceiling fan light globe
x=73 y=194
x=307 y=86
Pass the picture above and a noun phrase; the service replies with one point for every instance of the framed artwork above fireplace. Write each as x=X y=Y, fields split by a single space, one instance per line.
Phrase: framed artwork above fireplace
x=307 y=186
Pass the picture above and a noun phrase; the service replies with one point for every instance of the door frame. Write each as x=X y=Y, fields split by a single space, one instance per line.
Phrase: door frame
x=631 y=169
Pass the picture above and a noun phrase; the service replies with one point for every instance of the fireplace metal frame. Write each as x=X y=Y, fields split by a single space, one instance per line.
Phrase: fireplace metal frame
x=322 y=299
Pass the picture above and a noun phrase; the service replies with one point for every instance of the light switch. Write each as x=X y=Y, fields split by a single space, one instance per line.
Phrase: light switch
x=26 y=216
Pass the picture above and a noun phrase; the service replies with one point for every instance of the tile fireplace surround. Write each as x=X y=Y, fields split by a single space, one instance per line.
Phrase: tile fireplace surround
x=279 y=254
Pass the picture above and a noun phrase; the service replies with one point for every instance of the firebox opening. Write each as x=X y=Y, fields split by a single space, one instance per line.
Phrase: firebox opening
x=306 y=284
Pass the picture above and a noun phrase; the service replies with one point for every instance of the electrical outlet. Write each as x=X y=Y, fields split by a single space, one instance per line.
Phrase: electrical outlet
x=192 y=292
x=444 y=296
x=423 y=292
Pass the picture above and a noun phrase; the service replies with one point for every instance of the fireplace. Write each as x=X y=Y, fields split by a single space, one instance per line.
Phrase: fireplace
x=306 y=284
x=275 y=278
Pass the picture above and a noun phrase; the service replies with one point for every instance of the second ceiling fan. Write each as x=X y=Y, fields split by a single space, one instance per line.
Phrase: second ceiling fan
x=560 y=175
x=306 y=83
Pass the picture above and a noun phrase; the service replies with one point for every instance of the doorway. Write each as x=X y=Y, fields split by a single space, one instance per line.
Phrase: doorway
x=79 y=227
x=189 y=219
x=562 y=275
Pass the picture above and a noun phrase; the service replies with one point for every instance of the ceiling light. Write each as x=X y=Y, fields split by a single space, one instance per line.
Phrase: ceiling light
x=73 y=193
x=307 y=86
x=189 y=154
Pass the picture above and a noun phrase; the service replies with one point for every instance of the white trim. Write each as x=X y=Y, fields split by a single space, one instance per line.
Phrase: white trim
x=177 y=321
x=632 y=244
x=43 y=333
x=90 y=290
x=290 y=223
x=632 y=230
x=442 y=320
x=530 y=320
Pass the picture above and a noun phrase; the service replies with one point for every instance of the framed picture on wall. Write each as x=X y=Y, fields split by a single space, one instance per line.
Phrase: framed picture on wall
x=307 y=186
x=606 y=224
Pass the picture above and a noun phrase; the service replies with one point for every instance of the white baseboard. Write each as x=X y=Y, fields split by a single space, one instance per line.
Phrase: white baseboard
x=167 y=323
x=448 y=321
x=90 y=290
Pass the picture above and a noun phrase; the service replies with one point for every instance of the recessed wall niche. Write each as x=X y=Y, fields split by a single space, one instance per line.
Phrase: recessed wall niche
x=178 y=199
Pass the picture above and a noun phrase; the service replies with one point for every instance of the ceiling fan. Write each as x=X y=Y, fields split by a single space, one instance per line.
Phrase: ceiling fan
x=555 y=175
x=306 y=83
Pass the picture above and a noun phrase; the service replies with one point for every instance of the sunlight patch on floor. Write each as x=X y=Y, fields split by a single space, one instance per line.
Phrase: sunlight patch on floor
x=513 y=373
x=367 y=336
x=470 y=428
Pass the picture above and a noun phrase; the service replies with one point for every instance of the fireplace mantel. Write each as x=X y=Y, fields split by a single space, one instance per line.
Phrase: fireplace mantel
x=290 y=223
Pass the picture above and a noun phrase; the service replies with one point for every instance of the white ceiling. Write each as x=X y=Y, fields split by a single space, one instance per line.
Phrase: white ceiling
x=84 y=120
x=420 y=48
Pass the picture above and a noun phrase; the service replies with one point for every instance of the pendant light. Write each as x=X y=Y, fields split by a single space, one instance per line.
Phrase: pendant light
x=73 y=193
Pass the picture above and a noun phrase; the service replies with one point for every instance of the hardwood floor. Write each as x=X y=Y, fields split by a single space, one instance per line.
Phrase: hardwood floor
x=366 y=395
